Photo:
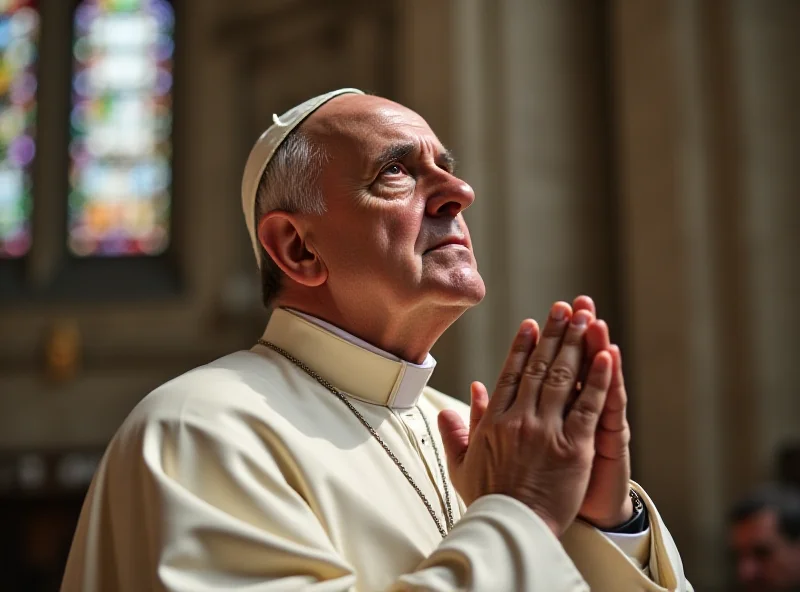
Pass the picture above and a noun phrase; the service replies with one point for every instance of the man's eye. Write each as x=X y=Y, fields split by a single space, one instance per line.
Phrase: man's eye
x=393 y=169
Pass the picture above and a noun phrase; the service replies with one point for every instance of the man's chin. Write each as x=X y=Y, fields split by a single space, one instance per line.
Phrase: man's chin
x=463 y=287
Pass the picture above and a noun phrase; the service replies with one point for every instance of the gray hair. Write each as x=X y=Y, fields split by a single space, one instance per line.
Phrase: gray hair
x=290 y=184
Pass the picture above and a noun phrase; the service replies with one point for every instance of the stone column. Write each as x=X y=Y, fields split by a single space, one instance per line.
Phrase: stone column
x=527 y=108
x=766 y=49
x=672 y=311
x=706 y=101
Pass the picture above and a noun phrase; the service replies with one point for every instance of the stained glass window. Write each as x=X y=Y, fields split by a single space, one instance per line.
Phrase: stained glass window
x=121 y=124
x=19 y=34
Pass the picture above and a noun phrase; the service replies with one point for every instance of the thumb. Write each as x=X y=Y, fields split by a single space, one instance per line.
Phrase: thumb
x=455 y=437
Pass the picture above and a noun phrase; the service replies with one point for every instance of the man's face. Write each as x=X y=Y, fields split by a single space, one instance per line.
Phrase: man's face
x=765 y=559
x=393 y=236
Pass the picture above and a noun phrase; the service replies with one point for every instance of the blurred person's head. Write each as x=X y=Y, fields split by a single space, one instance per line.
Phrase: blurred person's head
x=765 y=539
x=358 y=220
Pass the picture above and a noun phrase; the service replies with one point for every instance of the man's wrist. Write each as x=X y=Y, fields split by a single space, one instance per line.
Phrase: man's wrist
x=637 y=523
x=612 y=520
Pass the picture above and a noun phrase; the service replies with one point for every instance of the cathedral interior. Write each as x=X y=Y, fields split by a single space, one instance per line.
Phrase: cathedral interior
x=642 y=152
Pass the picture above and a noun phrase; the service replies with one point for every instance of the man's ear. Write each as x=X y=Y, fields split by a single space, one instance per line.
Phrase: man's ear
x=283 y=237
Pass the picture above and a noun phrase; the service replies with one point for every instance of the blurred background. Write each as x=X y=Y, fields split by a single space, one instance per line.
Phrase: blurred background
x=644 y=152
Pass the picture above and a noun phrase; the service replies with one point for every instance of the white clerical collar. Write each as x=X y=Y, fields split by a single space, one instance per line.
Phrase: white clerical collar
x=427 y=363
x=354 y=366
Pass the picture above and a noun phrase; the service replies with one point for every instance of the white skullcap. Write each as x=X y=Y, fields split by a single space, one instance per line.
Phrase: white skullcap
x=265 y=148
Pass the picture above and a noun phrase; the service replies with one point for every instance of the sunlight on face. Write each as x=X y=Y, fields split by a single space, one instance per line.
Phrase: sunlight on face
x=394 y=237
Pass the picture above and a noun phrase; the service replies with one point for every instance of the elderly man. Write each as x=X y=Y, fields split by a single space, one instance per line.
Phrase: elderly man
x=315 y=460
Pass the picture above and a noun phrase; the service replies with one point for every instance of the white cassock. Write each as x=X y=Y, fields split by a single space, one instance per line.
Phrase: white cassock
x=248 y=474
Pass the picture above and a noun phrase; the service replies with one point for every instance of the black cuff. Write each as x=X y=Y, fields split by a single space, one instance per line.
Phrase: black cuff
x=638 y=523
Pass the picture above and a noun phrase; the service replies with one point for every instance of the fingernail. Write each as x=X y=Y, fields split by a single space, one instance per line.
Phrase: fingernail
x=557 y=312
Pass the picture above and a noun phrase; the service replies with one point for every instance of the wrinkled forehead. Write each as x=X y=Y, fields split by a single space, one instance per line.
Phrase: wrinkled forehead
x=356 y=129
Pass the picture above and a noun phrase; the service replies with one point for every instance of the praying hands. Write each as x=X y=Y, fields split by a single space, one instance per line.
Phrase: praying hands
x=554 y=434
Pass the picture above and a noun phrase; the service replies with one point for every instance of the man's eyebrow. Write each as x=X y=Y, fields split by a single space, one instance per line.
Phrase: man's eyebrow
x=447 y=159
x=395 y=152
x=399 y=151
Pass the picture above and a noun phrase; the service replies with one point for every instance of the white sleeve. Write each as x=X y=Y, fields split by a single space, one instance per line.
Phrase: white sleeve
x=636 y=546
x=499 y=544
x=606 y=566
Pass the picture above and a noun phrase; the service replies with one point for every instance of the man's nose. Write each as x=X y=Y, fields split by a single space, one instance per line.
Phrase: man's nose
x=448 y=196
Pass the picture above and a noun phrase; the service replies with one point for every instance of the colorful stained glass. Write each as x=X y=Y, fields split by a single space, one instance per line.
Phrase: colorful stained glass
x=19 y=35
x=121 y=122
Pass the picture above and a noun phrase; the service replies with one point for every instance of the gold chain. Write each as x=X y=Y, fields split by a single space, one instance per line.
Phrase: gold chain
x=449 y=511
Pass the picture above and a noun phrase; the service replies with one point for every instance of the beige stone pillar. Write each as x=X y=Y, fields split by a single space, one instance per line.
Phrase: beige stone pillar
x=706 y=103
x=767 y=48
x=666 y=228
x=527 y=116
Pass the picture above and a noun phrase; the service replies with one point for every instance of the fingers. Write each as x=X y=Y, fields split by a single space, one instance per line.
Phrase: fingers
x=617 y=379
x=584 y=303
x=510 y=376
x=535 y=370
x=455 y=437
x=563 y=373
x=597 y=340
x=613 y=418
x=594 y=341
x=479 y=401
x=581 y=421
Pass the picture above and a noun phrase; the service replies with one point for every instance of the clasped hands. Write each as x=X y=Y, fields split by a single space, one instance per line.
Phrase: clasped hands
x=554 y=434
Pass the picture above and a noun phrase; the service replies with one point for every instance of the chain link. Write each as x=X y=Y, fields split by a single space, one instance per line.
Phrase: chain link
x=365 y=423
x=441 y=470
